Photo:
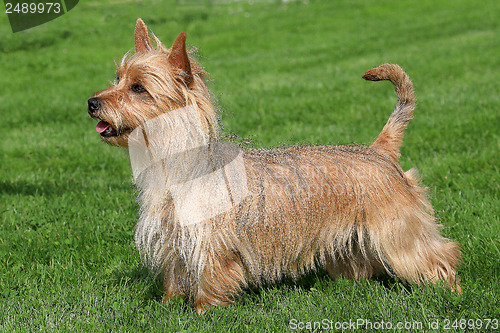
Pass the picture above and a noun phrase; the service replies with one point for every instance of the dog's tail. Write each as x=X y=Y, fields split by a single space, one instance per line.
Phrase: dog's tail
x=390 y=139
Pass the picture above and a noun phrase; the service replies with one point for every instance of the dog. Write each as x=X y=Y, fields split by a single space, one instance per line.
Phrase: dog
x=215 y=217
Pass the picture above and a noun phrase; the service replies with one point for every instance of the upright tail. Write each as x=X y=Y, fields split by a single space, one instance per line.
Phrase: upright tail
x=390 y=139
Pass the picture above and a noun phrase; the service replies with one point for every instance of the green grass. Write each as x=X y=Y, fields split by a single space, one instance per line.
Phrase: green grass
x=283 y=74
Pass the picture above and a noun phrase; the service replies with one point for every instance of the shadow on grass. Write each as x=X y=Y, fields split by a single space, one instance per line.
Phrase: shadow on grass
x=139 y=277
x=311 y=281
x=25 y=188
x=49 y=188
x=136 y=275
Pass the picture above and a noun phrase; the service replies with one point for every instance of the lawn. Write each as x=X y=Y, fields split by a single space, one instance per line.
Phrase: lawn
x=283 y=73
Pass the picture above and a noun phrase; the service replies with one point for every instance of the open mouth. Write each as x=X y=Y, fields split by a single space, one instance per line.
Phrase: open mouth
x=105 y=129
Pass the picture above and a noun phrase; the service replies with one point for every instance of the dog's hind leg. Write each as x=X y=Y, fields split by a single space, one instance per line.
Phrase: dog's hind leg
x=409 y=243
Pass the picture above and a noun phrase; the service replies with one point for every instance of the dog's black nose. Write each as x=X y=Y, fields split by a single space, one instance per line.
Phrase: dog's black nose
x=94 y=105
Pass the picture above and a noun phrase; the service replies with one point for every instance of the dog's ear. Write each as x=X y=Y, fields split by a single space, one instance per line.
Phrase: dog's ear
x=142 y=41
x=179 y=59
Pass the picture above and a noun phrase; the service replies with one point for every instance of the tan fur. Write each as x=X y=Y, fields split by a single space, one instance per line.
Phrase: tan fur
x=349 y=209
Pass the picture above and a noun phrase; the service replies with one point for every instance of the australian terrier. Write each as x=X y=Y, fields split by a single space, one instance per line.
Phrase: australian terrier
x=215 y=218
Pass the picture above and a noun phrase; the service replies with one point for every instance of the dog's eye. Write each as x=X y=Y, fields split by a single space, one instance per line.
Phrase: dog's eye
x=137 y=88
x=117 y=79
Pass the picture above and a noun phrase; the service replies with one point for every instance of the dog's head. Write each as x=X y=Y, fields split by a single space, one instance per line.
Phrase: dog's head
x=148 y=83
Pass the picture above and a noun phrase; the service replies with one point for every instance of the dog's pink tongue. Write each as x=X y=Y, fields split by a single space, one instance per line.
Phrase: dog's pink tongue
x=102 y=126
